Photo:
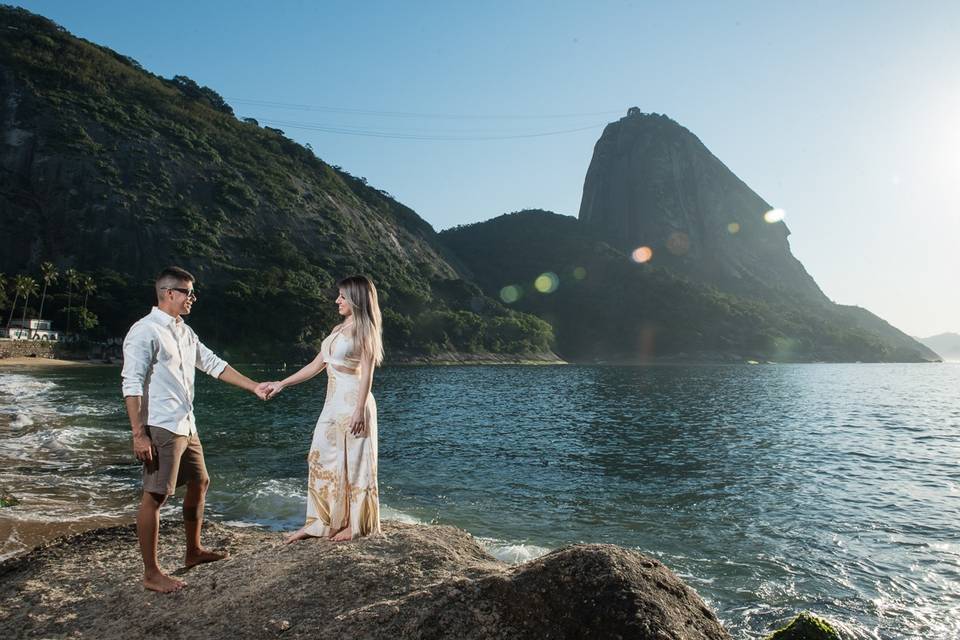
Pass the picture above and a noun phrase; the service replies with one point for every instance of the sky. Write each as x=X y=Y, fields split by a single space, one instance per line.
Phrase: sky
x=846 y=115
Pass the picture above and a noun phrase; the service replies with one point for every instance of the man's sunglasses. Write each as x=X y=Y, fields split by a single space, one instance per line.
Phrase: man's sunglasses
x=190 y=293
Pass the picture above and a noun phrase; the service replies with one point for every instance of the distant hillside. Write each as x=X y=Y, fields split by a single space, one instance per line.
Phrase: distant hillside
x=115 y=171
x=946 y=344
x=603 y=306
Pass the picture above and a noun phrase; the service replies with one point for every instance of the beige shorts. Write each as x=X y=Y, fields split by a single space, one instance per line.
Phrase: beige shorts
x=177 y=460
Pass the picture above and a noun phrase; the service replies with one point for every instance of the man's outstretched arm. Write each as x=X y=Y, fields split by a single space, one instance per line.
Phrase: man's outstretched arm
x=211 y=364
x=237 y=379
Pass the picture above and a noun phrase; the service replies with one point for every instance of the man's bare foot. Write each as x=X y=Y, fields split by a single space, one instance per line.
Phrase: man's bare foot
x=162 y=583
x=299 y=534
x=201 y=556
x=344 y=535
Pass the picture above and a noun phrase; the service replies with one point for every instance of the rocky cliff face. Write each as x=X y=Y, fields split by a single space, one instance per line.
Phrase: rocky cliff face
x=415 y=582
x=652 y=183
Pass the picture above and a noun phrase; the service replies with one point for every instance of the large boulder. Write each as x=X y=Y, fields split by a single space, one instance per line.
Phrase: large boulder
x=416 y=581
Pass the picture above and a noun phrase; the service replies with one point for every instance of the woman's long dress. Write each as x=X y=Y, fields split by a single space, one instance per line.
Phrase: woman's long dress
x=342 y=485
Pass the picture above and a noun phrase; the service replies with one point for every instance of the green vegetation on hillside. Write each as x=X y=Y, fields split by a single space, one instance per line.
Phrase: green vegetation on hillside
x=118 y=172
x=604 y=306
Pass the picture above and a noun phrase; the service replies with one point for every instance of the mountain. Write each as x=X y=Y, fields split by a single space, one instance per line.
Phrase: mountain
x=946 y=344
x=111 y=170
x=114 y=171
x=604 y=306
x=652 y=183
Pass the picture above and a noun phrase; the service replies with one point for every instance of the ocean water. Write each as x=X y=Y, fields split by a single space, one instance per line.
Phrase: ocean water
x=770 y=489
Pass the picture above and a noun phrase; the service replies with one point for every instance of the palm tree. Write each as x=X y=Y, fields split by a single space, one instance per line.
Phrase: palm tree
x=27 y=287
x=88 y=286
x=49 y=275
x=87 y=320
x=4 y=299
x=73 y=279
x=16 y=297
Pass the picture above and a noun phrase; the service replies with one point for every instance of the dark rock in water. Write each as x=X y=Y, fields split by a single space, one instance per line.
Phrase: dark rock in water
x=415 y=582
x=806 y=627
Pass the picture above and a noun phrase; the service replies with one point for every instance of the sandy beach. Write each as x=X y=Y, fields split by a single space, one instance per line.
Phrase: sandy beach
x=48 y=362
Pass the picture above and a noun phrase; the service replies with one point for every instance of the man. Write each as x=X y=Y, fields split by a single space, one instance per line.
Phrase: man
x=159 y=356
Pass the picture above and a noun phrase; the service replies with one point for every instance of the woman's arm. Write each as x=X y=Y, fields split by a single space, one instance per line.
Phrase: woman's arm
x=358 y=421
x=307 y=372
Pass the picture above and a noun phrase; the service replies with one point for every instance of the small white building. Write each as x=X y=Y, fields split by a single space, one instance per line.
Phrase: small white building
x=32 y=329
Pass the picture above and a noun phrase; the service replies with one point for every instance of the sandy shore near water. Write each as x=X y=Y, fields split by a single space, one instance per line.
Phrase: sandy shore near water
x=48 y=362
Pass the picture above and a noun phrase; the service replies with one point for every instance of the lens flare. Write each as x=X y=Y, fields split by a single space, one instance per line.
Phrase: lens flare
x=678 y=243
x=579 y=273
x=546 y=282
x=641 y=255
x=733 y=228
x=510 y=293
x=774 y=215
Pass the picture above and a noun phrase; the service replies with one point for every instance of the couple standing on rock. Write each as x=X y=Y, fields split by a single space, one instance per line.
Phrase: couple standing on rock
x=160 y=353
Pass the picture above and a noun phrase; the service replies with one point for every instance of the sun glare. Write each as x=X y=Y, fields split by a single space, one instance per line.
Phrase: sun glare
x=510 y=293
x=774 y=215
x=641 y=255
x=546 y=282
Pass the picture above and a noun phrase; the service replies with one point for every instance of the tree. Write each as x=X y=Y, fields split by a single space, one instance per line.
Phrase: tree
x=26 y=286
x=86 y=319
x=4 y=298
x=88 y=286
x=192 y=90
x=73 y=279
x=49 y=275
x=16 y=297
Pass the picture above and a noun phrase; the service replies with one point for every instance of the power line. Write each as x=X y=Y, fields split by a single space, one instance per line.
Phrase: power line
x=408 y=114
x=372 y=133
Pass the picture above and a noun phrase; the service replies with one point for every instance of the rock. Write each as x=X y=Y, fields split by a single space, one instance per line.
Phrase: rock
x=651 y=182
x=417 y=581
x=806 y=626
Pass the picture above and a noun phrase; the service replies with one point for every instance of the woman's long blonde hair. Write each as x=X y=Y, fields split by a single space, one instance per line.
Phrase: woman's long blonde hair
x=361 y=295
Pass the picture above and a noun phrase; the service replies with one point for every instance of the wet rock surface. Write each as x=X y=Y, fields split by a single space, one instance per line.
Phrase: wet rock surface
x=416 y=581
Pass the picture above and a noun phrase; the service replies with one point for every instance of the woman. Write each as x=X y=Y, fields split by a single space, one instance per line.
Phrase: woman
x=342 y=497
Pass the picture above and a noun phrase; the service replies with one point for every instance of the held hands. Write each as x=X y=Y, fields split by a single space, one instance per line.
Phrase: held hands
x=266 y=390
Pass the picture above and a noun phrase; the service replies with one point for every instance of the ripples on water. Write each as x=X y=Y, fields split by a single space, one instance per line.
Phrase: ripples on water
x=770 y=489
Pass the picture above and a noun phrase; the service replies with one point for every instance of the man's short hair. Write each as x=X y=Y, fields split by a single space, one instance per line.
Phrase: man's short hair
x=171 y=277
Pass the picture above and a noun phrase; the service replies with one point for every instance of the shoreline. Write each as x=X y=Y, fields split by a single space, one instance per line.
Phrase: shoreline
x=25 y=361
x=22 y=536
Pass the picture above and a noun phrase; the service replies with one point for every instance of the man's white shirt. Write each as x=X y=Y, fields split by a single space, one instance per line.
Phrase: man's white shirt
x=160 y=354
